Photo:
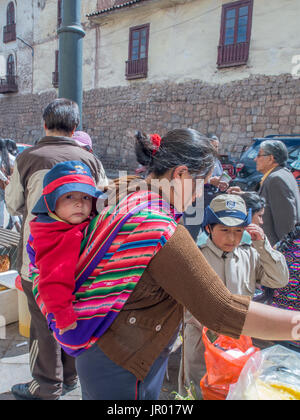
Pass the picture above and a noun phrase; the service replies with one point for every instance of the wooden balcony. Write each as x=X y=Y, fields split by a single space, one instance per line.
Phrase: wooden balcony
x=233 y=54
x=9 y=33
x=8 y=84
x=55 y=79
x=136 y=69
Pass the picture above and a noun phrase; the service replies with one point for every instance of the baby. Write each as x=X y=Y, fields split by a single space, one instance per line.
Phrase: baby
x=63 y=212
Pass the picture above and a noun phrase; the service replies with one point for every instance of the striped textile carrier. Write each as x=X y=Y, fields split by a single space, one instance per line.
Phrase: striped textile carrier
x=298 y=181
x=118 y=245
x=288 y=297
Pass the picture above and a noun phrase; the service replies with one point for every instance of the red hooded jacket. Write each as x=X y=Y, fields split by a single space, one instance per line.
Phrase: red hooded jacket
x=57 y=248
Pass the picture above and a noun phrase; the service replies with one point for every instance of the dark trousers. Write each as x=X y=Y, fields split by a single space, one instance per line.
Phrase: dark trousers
x=50 y=366
x=102 y=379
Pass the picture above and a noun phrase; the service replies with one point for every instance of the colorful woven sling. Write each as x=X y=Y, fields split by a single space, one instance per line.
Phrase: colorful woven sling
x=298 y=182
x=117 y=247
x=288 y=297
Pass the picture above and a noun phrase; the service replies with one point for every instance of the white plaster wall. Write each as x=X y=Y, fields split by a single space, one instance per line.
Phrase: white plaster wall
x=275 y=36
x=25 y=57
x=184 y=40
x=184 y=36
x=46 y=43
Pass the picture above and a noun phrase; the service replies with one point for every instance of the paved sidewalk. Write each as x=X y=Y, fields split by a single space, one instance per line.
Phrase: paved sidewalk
x=14 y=367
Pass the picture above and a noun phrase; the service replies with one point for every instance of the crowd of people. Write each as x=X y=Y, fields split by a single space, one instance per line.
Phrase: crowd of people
x=8 y=153
x=111 y=273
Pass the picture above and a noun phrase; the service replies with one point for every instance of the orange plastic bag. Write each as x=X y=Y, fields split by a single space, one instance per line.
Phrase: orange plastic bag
x=213 y=392
x=225 y=359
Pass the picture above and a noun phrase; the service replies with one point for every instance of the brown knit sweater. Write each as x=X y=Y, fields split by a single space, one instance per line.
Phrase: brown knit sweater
x=178 y=276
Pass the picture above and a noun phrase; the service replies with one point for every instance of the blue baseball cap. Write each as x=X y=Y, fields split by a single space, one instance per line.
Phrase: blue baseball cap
x=65 y=177
x=228 y=210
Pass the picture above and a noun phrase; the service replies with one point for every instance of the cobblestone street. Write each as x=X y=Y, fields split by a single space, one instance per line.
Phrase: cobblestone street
x=14 y=367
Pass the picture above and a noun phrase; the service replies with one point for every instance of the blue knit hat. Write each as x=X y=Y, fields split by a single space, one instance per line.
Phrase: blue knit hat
x=65 y=177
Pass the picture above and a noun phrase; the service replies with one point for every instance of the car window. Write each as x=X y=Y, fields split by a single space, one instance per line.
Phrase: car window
x=22 y=147
x=252 y=152
x=293 y=152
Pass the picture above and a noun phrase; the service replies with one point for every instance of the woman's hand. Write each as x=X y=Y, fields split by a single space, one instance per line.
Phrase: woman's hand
x=215 y=180
x=268 y=323
x=235 y=190
x=70 y=327
x=222 y=185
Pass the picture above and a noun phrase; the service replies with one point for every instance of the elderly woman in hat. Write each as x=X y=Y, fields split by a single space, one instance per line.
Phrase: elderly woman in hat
x=84 y=140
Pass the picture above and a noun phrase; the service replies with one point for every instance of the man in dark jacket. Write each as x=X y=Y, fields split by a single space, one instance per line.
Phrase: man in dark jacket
x=52 y=370
x=279 y=188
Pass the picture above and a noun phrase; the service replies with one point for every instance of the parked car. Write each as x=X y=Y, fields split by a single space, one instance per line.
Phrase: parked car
x=228 y=164
x=22 y=146
x=248 y=177
x=14 y=147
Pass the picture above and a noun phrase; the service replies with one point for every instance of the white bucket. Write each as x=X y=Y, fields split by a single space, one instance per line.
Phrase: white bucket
x=24 y=315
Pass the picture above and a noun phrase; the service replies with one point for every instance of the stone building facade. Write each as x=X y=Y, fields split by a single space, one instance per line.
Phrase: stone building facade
x=257 y=95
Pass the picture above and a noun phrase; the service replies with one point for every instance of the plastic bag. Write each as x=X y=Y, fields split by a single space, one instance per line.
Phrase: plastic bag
x=213 y=392
x=225 y=358
x=271 y=374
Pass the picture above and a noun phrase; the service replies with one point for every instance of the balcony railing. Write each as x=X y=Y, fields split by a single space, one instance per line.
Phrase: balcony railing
x=9 y=33
x=136 y=69
x=8 y=84
x=233 y=54
x=55 y=79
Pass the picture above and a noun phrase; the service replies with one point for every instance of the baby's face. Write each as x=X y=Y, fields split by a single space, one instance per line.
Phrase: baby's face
x=74 y=207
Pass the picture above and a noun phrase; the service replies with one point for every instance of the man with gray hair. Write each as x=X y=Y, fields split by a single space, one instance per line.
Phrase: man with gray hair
x=53 y=371
x=279 y=188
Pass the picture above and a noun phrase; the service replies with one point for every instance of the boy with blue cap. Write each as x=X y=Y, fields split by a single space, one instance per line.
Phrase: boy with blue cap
x=63 y=212
x=240 y=266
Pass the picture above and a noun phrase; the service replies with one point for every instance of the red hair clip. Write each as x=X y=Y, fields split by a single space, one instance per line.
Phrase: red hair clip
x=156 y=140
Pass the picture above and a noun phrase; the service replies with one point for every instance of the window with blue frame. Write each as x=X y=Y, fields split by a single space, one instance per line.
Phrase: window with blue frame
x=235 y=33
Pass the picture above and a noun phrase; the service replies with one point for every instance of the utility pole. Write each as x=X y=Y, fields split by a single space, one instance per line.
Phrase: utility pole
x=71 y=36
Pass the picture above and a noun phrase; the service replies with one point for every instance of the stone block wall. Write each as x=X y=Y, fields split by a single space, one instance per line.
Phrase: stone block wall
x=237 y=112
x=21 y=116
